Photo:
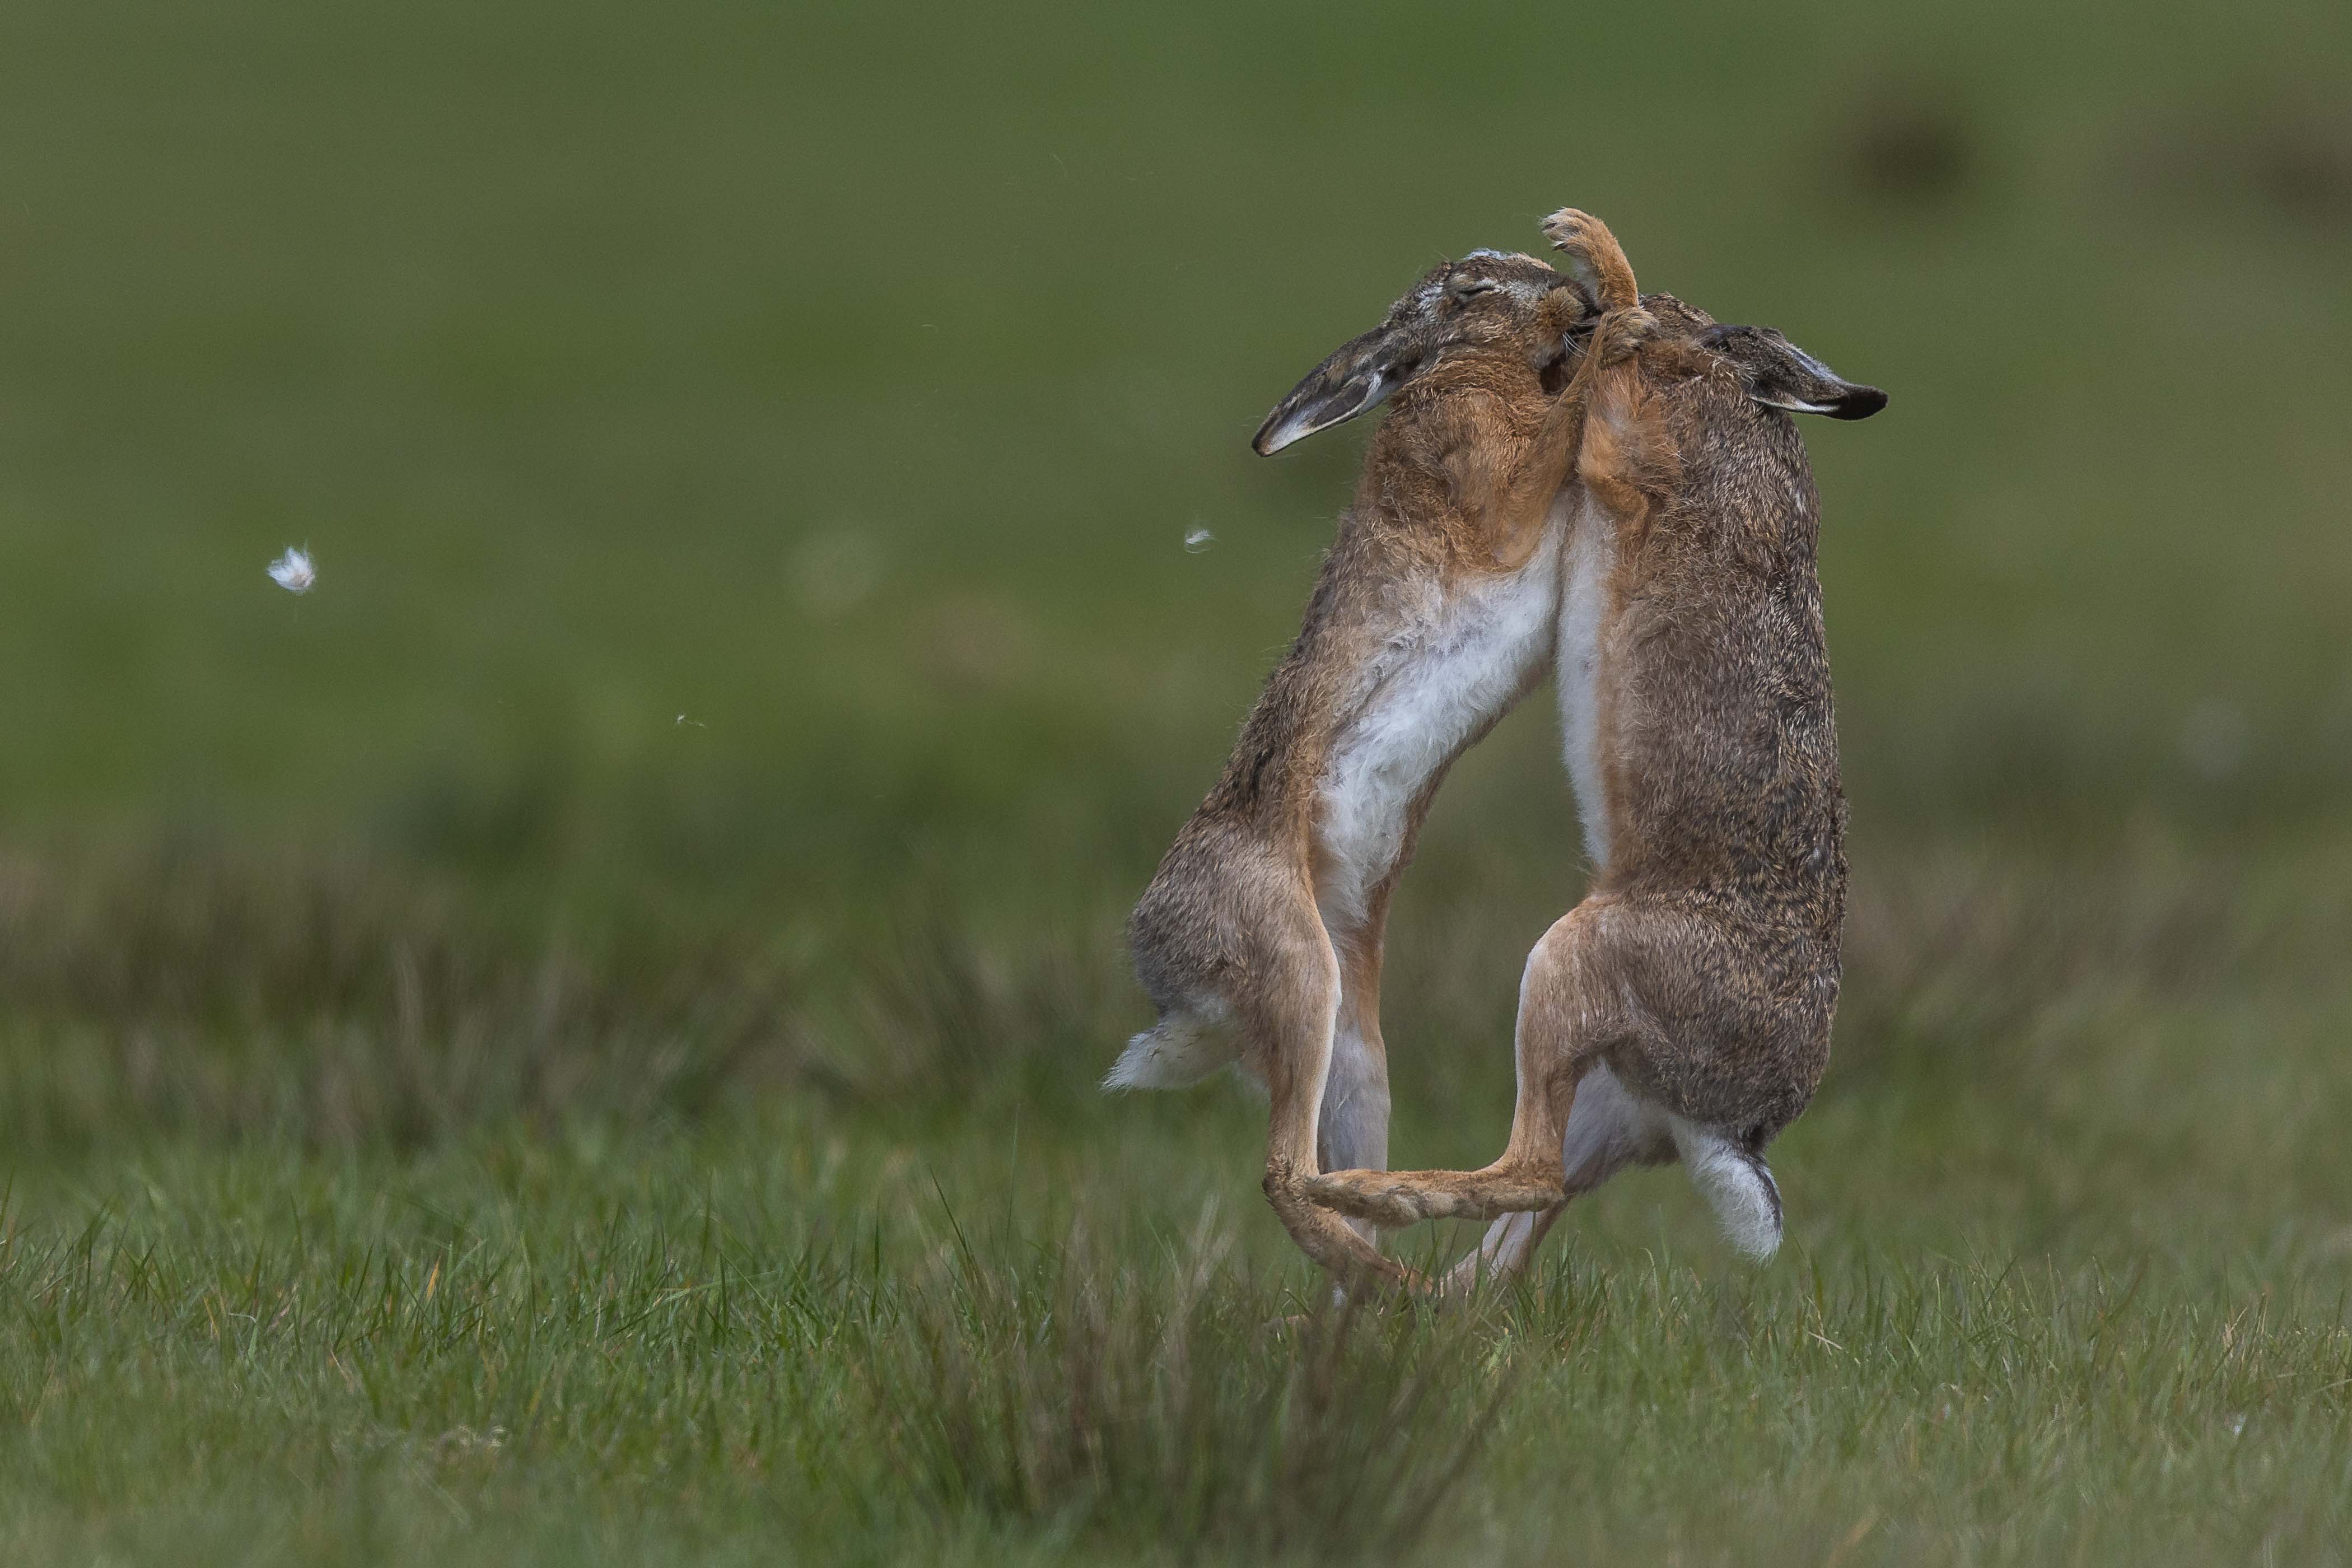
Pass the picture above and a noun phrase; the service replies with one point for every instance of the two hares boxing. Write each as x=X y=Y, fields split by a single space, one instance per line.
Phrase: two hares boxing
x=1259 y=938
x=1682 y=1009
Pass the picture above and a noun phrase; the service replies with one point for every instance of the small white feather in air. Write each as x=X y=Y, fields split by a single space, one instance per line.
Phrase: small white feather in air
x=1198 y=540
x=293 y=571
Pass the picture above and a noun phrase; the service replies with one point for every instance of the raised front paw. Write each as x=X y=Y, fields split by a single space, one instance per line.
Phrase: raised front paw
x=1594 y=257
x=1571 y=230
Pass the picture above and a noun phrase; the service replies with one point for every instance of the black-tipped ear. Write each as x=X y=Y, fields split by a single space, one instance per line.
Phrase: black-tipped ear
x=1364 y=371
x=1779 y=375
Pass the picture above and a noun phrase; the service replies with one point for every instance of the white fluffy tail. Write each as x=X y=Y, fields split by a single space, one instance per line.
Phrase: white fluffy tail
x=1180 y=1051
x=1737 y=1186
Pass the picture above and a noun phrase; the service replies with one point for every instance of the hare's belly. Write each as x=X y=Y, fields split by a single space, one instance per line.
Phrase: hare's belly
x=1440 y=679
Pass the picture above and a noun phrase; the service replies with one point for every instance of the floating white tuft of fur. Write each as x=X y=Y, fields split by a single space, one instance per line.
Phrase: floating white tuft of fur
x=294 y=572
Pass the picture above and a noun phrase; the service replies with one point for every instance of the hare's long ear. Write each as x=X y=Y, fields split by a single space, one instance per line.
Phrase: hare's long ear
x=1781 y=375
x=1356 y=378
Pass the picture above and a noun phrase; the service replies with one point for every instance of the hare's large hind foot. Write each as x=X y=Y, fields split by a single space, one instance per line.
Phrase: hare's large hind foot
x=1594 y=257
x=1394 y=1199
x=1347 y=1256
x=1502 y=1255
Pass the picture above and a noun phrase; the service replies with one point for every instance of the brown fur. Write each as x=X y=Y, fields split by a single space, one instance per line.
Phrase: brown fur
x=1703 y=966
x=1459 y=488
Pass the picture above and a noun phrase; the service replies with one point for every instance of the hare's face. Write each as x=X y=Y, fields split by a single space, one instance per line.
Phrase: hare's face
x=1487 y=302
x=1489 y=299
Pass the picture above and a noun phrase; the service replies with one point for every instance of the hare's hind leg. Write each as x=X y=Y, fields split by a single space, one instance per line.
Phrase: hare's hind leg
x=1568 y=1015
x=1609 y=1127
x=1287 y=1023
x=1353 y=1132
x=1505 y=1252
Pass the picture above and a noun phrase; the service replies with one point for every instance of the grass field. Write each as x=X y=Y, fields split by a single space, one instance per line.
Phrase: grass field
x=575 y=1042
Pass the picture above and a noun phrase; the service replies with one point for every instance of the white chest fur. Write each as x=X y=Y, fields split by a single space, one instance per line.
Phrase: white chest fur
x=1584 y=616
x=1451 y=663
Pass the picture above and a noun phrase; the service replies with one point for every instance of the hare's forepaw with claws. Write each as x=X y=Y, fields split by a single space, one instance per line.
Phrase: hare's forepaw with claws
x=1594 y=257
x=1570 y=230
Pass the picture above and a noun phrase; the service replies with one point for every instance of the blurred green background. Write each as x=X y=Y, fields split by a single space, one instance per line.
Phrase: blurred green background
x=503 y=1058
x=846 y=379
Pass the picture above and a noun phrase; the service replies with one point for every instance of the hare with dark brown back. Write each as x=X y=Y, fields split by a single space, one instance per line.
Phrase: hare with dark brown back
x=1682 y=1009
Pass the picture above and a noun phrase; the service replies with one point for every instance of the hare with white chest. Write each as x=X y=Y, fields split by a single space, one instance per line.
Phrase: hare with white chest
x=1259 y=939
x=1682 y=1009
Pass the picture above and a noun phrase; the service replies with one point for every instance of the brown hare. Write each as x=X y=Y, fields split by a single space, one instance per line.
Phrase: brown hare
x=1259 y=938
x=1682 y=1009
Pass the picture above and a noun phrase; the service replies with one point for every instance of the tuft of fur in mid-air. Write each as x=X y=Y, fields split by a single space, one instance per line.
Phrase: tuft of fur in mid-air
x=294 y=571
